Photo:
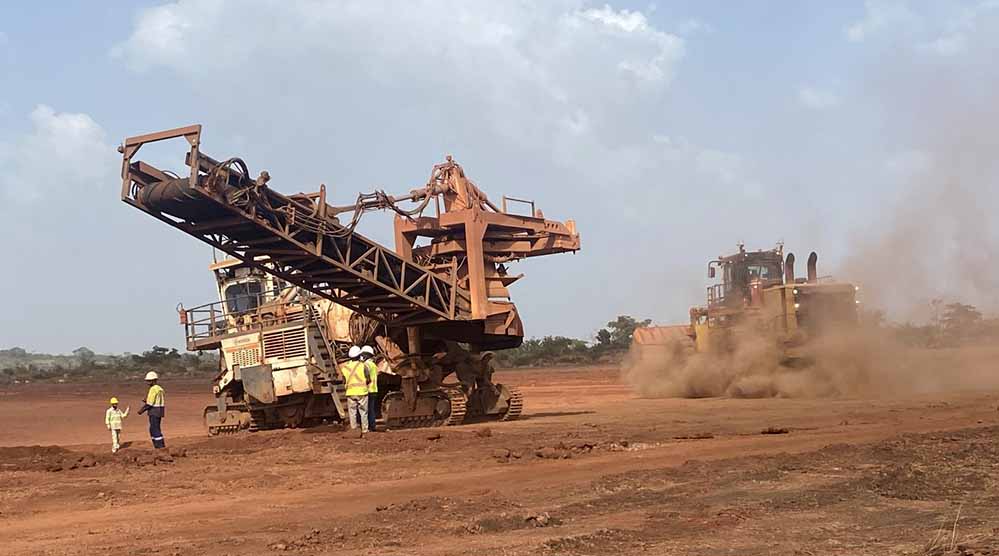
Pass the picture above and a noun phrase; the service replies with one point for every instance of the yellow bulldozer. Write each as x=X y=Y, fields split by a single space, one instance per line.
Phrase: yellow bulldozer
x=758 y=296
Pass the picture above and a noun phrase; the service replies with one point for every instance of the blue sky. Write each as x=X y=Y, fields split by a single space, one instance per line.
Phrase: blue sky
x=669 y=131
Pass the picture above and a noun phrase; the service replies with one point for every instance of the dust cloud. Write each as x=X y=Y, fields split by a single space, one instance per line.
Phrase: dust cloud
x=940 y=243
x=933 y=233
x=866 y=362
x=931 y=237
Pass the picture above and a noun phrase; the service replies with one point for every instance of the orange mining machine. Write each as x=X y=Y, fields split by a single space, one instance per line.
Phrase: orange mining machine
x=301 y=285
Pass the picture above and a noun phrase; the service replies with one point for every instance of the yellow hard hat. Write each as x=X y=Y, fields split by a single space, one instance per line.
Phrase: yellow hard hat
x=114 y=401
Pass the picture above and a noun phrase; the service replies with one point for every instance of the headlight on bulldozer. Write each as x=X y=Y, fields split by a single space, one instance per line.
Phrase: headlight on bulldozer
x=797 y=305
x=795 y=291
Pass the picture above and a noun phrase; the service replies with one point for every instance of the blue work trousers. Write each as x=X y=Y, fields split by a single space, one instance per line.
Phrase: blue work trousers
x=373 y=410
x=154 y=431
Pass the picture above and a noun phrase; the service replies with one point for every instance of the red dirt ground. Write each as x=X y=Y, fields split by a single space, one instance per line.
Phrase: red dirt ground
x=589 y=469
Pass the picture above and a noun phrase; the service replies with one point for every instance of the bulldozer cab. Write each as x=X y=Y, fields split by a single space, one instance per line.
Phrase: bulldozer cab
x=742 y=273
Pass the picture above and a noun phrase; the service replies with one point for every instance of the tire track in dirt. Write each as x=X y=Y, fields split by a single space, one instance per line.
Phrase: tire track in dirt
x=241 y=515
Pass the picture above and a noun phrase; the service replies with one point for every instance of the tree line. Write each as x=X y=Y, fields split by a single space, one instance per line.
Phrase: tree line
x=17 y=365
x=951 y=324
x=608 y=345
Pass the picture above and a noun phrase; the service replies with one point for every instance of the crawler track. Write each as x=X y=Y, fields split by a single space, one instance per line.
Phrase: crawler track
x=448 y=409
x=459 y=406
x=231 y=427
x=516 y=404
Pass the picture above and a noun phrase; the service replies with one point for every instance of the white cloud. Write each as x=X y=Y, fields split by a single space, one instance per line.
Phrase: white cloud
x=907 y=164
x=817 y=99
x=880 y=15
x=951 y=45
x=958 y=28
x=942 y=29
x=560 y=77
x=556 y=100
x=64 y=153
x=693 y=26
x=969 y=16
x=624 y=20
x=726 y=168
x=533 y=37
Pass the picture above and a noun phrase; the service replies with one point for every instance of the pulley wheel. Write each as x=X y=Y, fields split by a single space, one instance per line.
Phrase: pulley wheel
x=443 y=408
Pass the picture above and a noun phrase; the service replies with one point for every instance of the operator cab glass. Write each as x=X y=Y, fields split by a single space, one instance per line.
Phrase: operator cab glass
x=763 y=272
x=242 y=297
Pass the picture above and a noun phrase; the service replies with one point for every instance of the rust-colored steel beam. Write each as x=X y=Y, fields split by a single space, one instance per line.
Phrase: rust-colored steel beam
x=225 y=208
x=455 y=287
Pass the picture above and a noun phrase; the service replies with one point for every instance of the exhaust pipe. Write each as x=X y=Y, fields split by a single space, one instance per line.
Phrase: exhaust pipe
x=789 y=269
x=813 y=276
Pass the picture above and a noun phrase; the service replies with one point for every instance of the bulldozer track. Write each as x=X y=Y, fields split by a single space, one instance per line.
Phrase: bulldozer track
x=516 y=405
x=459 y=406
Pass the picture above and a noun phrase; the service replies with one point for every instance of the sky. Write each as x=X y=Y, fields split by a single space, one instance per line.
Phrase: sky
x=669 y=131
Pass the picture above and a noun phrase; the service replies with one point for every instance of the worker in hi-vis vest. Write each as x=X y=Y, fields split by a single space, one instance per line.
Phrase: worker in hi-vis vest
x=356 y=380
x=367 y=355
x=113 y=418
x=155 y=406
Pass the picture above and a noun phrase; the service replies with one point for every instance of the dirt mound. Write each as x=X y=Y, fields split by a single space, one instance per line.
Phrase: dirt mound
x=32 y=458
x=598 y=542
x=55 y=458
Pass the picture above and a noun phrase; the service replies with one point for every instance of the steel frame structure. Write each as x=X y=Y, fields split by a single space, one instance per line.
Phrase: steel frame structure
x=298 y=241
x=461 y=277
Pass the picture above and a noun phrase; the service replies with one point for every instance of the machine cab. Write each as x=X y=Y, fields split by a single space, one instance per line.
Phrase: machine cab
x=744 y=276
x=242 y=288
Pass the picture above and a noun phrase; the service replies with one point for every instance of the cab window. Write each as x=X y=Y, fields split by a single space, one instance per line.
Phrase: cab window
x=242 y=297
x=764 y=273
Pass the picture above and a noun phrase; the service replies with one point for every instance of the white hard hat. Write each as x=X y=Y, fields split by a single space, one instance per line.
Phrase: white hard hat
x=151 y=375
x=368 y=349
x=354 y=352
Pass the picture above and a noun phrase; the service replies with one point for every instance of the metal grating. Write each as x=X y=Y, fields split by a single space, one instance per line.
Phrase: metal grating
x=247 y=357
x=285 y=344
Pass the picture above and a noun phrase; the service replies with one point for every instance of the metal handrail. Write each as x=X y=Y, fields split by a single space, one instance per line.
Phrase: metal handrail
x=213 y=321
x=717 y=294
x=516 y=200
x=312 y=314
